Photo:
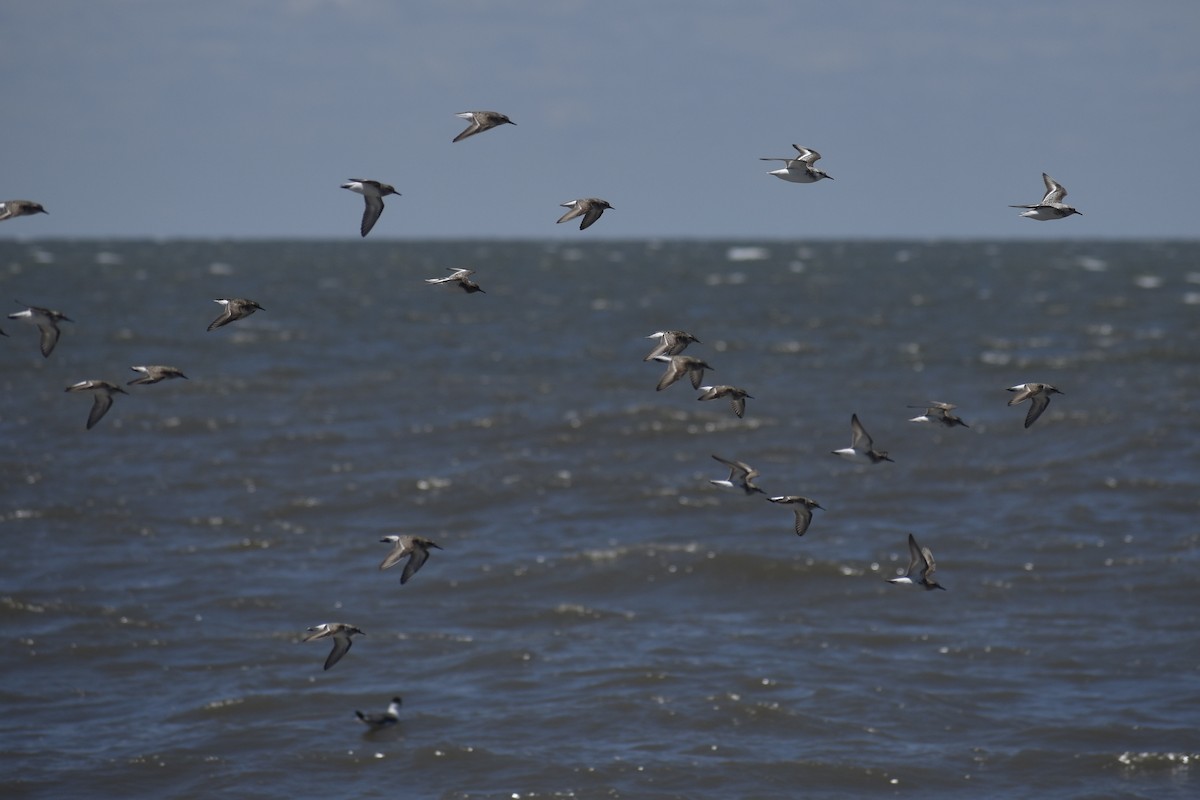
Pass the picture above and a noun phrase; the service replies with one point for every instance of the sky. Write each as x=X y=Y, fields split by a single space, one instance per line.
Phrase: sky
x=241 y=118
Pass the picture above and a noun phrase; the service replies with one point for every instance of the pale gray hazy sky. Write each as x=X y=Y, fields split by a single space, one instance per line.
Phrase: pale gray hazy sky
x=240 y=118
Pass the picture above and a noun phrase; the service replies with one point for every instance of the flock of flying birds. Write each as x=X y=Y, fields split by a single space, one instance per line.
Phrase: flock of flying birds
x=921 y=565
x=668 y=350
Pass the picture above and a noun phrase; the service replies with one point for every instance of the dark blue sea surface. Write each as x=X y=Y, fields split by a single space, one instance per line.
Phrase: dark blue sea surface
x=602 y=621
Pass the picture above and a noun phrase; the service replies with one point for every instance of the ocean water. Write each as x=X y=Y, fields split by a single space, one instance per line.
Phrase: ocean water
x=602 y=622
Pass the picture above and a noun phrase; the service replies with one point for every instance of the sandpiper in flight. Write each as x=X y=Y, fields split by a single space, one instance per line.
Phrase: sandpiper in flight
x=803 y=507
x=590 y=208
x=20 y=208
x=1038 y=395
x=799 y=169
x=862 y=447
x=387 y=719
x=922 y=558
x=340 y=632
x=415 y=547
x=670 y=343
x=741 y=476
x=153 y=373
x=102 y=400
x=235 y=308
x=373 y=193
x=46 y=320
x=678 y=366
x=1052 y=206
x=461 y=277
x=737 y=397
x=481 y=121
x=939 y=413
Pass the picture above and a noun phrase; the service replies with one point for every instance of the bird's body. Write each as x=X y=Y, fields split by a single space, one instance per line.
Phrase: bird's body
x=590 y=208
x=153 y=373
x=387 y=719
x=20 y=208
x=340 y=632
x=416 y=548
x=102 y=400
x=803 y=507
x=799 y=169
x=939 y=413
x=1052 y=206
x=920 y=568
x=670 y=343
x=678 y=366
x=373 y=193
x=235 y=308
x=1038 y=395
x=460 y=277
x=862 y=447
x=741 y=476
x=737 y=397
x=481 y=121
x=46 y=320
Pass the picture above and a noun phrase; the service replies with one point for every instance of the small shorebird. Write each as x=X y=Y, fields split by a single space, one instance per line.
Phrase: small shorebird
x=102 y=400
x=481 y=121
x=462 y=277
x=799 y=169
x=235 y=308
x=803 y=508
x=340 y=632
x=670 y=343
x=387 y=719
x=741 y=476
x=862 y=447
x=153 y=373
x=1052 y=206
x=678 y=366
x=590 y=208
x=1038 y=395
x=940 y=413
x=20 y=208
x=415 y=547
x=373 y=193
x=918 y=557
x=46 y=320
x=737 y=397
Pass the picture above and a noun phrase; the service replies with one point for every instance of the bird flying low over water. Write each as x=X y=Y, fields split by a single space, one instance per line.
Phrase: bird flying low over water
x=153 y=373
x=387 y=719
x=20 y=208
x=1052 y=206
x=803 y=507
x=461 y=277
x=46 y=320
x=481 y=121
x=670 y=343
x=799 y=169
x=862 y=447
x=102 y=400
x=1038 y=395
x=590 y=208
x=678 y=366
x=939 y=413
x=340 y=632
x=415 y=547
x=373 y=193
x=741 y=476
x=737 y=397
x=235 y=308
x=919 y=558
